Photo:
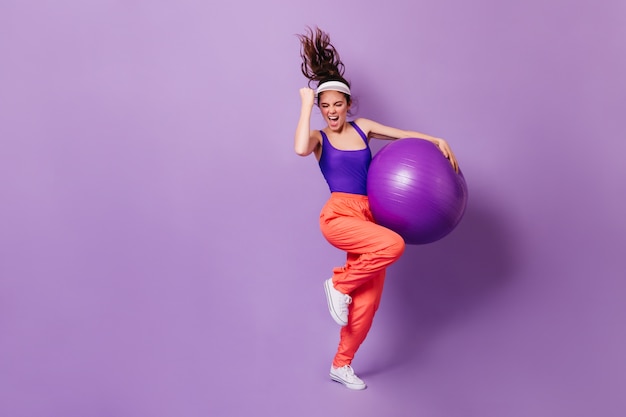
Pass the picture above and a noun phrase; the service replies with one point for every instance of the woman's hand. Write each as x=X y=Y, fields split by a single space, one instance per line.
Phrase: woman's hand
x=308 y=97
x=447 y=152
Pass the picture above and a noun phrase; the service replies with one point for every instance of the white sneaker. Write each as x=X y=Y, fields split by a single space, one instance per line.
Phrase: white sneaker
x=345 y=375
x=337 y=303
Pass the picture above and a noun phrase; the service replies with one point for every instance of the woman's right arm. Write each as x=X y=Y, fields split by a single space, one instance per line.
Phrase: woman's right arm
x=306 y=141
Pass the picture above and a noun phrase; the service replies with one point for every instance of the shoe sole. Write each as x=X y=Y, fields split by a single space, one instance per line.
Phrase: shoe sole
x=356 y=387
x=333 y=314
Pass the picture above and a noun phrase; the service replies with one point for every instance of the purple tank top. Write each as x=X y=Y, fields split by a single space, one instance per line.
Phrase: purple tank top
x=345 y=171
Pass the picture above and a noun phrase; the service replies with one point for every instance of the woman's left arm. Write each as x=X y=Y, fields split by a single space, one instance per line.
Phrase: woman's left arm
x=378 y=131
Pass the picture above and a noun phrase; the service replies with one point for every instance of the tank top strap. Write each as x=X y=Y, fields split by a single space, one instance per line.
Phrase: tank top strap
x=324 y=137
x=358 y=129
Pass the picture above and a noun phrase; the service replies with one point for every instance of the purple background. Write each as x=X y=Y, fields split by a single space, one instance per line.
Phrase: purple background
x=159 y=246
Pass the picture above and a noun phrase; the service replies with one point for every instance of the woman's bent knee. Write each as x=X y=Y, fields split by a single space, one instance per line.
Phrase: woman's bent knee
x=397 y=246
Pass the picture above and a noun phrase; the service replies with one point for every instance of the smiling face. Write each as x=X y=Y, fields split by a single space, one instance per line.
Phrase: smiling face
x=334 y=107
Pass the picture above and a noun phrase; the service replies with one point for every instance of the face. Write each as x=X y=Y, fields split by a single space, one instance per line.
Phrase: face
x=334 y=107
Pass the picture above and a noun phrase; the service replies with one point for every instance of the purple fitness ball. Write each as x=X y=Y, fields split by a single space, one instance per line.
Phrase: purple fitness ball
x=414 y=191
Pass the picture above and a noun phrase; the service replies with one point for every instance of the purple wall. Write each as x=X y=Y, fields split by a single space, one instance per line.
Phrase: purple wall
x=159 y=247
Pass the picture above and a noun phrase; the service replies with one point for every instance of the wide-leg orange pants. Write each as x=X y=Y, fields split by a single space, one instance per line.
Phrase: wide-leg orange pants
x=347 y=223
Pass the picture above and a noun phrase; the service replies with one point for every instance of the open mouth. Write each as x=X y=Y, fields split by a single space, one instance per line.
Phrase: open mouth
x=333 y=118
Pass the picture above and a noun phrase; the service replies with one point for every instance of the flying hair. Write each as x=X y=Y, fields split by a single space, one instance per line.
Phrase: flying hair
x=320 y=59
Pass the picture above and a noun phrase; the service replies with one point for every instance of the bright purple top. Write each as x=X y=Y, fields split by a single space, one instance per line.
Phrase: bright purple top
x=346 y=171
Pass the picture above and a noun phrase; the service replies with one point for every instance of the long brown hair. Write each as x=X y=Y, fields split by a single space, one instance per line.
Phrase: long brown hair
x=320 y=59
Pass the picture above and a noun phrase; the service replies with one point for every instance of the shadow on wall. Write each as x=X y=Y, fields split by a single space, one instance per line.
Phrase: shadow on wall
x=433 y=285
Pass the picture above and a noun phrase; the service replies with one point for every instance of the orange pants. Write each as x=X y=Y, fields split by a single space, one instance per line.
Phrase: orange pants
x=347 y=223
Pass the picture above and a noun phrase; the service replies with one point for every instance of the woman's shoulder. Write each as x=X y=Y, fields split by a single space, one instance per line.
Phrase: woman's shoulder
x=363 y=123
x=316 y=135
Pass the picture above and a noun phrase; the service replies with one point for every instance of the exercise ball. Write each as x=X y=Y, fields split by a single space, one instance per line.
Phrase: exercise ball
x=414 y=191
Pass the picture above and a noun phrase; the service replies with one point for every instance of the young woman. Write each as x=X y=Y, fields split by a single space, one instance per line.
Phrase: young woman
x=354 y=291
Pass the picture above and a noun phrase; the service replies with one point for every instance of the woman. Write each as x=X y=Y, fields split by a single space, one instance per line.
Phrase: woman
x=342 y=148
